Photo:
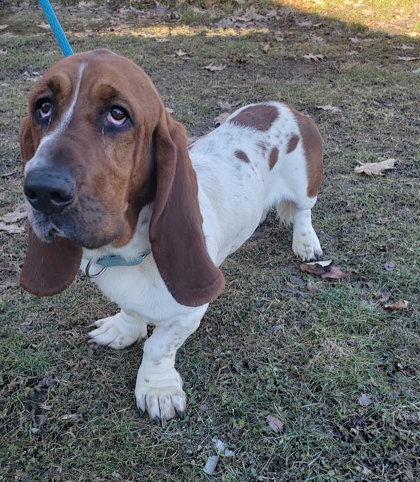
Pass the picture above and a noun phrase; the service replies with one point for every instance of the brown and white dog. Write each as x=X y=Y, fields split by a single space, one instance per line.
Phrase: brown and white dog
x=110 y=185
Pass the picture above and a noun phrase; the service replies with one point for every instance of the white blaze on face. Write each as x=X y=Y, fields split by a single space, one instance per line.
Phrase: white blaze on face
x=38 y=160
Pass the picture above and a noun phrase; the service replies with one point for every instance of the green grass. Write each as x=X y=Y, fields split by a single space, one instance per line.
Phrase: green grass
x=277 y=342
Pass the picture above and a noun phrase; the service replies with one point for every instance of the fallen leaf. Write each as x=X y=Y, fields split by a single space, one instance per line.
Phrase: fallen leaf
x=211 y=464
x=405 y=47
x=214 y=68
x=317 y=39
x=222 y=449
x=276 y=424
x=408 y=59
x=375 y=168
x=265 y=47
x=383 y=296
x=48 y=381
x=8 y=222
x=226 y=105
x=324 y=269
x=306 y=23
x=330 y=108
x=389 y=266
x=16 y=215
x=220 y=119
x=365 y=400
x=399 y=305
x=11 y=228
x=297 y=281
x=180 y=53
x=250 y=15
x=314 y=57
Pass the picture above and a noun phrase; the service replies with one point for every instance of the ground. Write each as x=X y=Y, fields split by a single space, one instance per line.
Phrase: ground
x=300 y=376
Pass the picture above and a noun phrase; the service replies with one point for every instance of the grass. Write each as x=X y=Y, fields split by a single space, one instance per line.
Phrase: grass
x=278 y=342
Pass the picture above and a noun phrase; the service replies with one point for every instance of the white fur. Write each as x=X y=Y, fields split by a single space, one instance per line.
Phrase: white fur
x=234 y=196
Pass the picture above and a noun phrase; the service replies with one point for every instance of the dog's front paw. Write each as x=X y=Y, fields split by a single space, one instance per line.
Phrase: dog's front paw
x=118 y=331
x=306 y=245
x=160 y=395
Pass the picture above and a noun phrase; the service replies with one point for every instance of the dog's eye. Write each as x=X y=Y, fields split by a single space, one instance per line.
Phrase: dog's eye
x=44 y=109
x=117 y=116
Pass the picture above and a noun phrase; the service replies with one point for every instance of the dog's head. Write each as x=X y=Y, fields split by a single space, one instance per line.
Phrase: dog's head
x=97 y=146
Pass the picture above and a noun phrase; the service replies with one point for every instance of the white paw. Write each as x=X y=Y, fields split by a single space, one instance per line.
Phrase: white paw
x=116 y=332
x=306 y=245
x=161 y=395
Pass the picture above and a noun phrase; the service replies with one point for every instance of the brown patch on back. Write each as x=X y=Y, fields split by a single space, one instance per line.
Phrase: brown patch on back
x=259 y=117
x=242 y=156
x=274 y=157
x=291 y=145
x=313 y=147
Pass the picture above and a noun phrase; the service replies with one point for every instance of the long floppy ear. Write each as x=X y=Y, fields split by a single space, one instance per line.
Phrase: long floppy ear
x=48 y=267
x=176 y=232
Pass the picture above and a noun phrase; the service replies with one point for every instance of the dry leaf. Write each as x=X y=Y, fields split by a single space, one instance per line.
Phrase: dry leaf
x=375 y=168
x=408 y=59
x=324 y=269
x=211 y=464
x=180 y=53
x=365 y=400
x=276 y=424
x=330 y=108
x=399 y=305
x=383 y=296
x=306 y=23
x=389 y=266
x=226 y=105
x=405 y=47
x=220 y=119
x=8 y=222
x=11 y=228
x=265 y=47
x=214 y=68
x=314 y=57
x=13 y=217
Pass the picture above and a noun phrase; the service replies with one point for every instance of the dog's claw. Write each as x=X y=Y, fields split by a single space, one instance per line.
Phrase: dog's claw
x=181 y=414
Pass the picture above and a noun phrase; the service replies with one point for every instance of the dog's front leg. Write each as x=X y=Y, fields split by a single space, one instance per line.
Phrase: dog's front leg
x=159 y=386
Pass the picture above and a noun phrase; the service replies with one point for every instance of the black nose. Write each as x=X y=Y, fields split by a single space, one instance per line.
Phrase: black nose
x=49 y=191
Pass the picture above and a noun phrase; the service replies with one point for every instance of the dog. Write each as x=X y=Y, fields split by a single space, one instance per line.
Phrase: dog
x=112 y=187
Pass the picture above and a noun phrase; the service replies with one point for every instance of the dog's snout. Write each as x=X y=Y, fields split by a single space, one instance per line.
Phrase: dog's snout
x=49 y=191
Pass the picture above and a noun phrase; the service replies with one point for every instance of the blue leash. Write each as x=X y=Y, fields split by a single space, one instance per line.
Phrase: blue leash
x=56 y=27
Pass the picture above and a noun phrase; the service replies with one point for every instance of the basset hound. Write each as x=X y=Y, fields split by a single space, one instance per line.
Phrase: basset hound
x=111 y=186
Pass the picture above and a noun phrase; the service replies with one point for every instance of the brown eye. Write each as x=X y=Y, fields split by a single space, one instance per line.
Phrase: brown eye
x=44 y=109
x=117 y=116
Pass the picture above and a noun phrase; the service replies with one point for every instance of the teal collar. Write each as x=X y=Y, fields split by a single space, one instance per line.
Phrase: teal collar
x=113 y=260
